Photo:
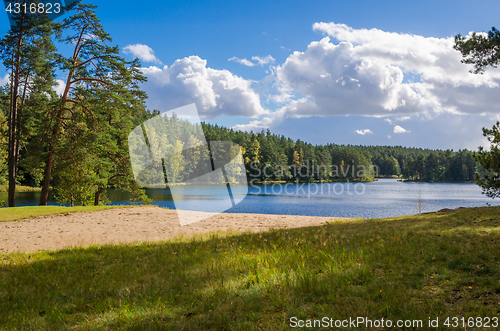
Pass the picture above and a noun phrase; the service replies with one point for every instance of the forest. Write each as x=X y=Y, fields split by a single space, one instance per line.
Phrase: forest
x=276 y=151
x=267 y=157
x=75 y=141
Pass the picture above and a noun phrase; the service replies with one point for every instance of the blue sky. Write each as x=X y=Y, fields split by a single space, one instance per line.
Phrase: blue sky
x=372 y=73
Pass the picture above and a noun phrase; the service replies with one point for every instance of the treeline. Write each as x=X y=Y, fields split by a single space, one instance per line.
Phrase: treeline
x=167 y=150
x=272 y=152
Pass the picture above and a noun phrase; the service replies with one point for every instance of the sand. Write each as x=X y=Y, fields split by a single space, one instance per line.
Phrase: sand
x=125 y=225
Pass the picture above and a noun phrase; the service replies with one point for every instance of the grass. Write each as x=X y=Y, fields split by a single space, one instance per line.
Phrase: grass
x=19 y=188
x=443 y=264
x=18 y=213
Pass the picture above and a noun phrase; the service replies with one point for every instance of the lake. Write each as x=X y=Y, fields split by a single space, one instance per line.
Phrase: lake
x=383 y=198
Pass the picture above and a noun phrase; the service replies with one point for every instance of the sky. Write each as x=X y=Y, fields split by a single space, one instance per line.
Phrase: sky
x=344 y=72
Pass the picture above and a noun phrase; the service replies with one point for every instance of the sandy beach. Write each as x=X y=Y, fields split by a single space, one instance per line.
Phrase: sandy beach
x=123 y=225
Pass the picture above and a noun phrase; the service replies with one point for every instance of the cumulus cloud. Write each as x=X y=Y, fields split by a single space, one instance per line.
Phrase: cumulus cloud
x=433 y=58
x=143 y=52
x=364 y=74
x=275 y=118
x=215 y=92
x=258 y=60
x=399 y=129
x=364 y=132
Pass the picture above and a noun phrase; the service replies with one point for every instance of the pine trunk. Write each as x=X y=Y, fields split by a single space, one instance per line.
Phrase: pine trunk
x=13 y=151
x=55 y=132
x=97 y=198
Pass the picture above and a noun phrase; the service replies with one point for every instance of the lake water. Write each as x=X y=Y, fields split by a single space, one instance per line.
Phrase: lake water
x=383 y=198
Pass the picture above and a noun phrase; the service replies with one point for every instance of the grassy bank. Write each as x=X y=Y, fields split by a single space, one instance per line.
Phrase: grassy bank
x=20 y=188
x=414 y=267
x=18 y=213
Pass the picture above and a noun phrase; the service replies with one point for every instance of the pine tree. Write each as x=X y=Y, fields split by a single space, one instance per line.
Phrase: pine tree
x=26 y=52
x=96 y=74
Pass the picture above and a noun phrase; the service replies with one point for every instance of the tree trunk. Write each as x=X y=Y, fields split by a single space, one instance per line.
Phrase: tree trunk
x=12 y=144
x=46 y=181
x=12 y=157
x=52 y=152
x=98 y=196
x=55 y=133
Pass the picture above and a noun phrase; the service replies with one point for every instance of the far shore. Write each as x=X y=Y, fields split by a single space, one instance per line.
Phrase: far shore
x=20 y=188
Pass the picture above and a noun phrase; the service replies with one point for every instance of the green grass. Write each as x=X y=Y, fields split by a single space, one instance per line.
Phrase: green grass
x=18 y=213
x=19 y=188
x=414 y=267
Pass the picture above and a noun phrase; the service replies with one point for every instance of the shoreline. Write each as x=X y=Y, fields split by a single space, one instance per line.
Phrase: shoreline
x=127 y=225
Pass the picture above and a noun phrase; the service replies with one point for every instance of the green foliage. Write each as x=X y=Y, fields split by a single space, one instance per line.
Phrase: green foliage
x=27 y=53
x=480 y=50
x=101 y=104
x=442 y=166
x=75 y=142
x=276 y=152
x=490 y=160
x=484 y=51
x=74 y=186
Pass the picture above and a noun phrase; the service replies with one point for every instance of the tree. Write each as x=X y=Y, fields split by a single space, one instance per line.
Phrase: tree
x=490 y=183
x=408 y=169
x=419 y=165
x=3 y=139
x=175 y=163
x=93 y=154
x=480 y=50
x=95 y=72
x=394 y=166
x=254 y=151
x=484 y=51
x=26 y=53
x=431 y=166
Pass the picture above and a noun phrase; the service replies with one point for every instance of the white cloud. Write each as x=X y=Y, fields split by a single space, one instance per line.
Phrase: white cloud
x=143 y=52
x=403 y=118
x=433 y=58
x=275 y=118
x=215 y=92
x=258 y=60
x=363 y=132
x=348 y=72
x=61 y=85
x=263 y=60
x=364 y=74
x=335 y=83
x=399 y=129
x=389 y=137
x=245 y=62
x=5 y=80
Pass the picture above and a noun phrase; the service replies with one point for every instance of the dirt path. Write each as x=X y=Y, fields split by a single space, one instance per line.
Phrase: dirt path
x=129 y=225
